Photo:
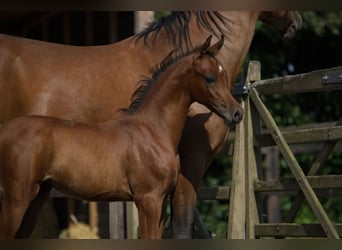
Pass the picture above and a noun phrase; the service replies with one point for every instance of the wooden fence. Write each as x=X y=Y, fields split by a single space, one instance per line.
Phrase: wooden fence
x=245 y=194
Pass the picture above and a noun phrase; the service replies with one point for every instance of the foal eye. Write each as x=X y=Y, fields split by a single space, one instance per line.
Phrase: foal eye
x=209 y=78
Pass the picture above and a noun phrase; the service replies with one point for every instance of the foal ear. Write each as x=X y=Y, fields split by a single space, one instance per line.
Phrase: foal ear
x=205 y=46
x=214 y=49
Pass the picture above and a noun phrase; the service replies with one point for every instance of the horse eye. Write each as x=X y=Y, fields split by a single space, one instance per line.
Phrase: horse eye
x=209 y=78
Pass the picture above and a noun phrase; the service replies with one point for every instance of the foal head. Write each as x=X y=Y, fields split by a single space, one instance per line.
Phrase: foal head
x=210 y=85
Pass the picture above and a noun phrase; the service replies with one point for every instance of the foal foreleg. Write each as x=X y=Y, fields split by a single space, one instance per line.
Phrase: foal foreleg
x=12 y=210
x=151 y=211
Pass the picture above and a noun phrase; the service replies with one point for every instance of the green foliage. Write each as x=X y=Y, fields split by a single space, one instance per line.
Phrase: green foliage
x=159 y=14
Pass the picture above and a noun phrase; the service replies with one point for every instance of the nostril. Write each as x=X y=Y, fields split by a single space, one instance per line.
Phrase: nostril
x=237 y=116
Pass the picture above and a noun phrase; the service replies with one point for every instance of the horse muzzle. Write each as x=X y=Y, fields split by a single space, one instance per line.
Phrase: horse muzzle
x=231 y=117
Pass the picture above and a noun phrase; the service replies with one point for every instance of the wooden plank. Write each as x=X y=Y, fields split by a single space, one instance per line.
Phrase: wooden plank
x=214 y=193
x=237 y=206
x=272 y=171
x=117 y=220
x=290 y=184
x=252 y=217
x=132 y=220
x=253 y=71
x=301 y=83
x=93 y=217
x=294 y=166
x=292 y=230
x=315 y=168
x=301 y=134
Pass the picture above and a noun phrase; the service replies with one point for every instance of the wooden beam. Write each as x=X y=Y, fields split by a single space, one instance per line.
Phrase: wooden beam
x=322 y=132
x=117 y=220
x=237 y=205
x=301 y=83
x=292 y=230
x=290 y=184
x=252 y=217
x=214 y=193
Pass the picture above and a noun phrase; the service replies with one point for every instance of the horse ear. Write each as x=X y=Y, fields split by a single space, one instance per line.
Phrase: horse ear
x=204 y=47
x=216 y=47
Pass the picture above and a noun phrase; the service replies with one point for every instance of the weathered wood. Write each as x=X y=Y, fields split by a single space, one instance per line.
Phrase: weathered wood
x=252 y=217
x=301 y=83
x=322 y=132
x=237 y=206
x=116 y=220
x=253 y=71
x=132 y=220
x=294 y=166
x=316 y=166
x=293 y=230
x=214 y=193
x=141 y=19
x=290 y=184
x=93 y=217
x=272 y=169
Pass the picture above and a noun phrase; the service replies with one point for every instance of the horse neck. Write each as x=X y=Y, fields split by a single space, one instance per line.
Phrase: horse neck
x=238 y=37
x=165 y=107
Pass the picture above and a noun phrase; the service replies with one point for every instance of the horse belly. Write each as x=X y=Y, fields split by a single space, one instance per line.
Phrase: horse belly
x=91 y=180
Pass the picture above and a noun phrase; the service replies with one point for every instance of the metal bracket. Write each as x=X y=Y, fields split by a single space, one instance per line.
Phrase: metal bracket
x=332 y=78
x=240 y=88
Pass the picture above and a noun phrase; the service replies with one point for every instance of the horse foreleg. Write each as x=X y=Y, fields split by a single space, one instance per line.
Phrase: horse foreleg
x=151 y=211
x=183 y=207
x=203 y=136
x=31 y=214
x=12 y=210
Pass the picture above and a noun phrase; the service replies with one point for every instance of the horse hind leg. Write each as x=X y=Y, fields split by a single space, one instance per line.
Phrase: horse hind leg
x=31 y=215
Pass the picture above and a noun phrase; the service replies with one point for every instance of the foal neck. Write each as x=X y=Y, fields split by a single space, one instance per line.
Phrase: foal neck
x=165 y=106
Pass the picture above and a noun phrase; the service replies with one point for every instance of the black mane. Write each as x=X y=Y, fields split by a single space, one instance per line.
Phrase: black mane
x=146 y=83
x=177 y=23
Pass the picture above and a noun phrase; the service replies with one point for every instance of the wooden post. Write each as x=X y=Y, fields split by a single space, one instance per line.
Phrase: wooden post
x=142 y=19
x=116 y=220
x=132 y=221
x=252 y=217
x=237 y=204
x=93 y=217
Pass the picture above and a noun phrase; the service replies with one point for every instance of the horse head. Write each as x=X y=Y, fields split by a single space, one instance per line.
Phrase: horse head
x=286 y=22
x=214 y=89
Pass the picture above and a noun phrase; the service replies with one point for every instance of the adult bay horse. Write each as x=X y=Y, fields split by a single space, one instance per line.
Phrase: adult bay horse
x=89 y=83
x=133 y=157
